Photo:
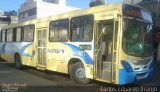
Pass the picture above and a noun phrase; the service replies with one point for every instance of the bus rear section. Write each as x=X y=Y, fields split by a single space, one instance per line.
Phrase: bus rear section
x=17 y=45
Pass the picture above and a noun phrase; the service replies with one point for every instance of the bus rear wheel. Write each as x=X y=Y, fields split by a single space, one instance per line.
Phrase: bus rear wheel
x=18 y=62
x=77 y=73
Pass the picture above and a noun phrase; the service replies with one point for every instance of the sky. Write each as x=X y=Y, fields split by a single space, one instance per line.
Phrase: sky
x=9 y=5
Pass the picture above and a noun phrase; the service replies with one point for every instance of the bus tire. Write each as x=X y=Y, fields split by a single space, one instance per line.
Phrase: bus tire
x=17 y=60
x=77 y=73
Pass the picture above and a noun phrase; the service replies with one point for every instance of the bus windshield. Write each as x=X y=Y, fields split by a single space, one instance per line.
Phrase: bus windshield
x=137 y=37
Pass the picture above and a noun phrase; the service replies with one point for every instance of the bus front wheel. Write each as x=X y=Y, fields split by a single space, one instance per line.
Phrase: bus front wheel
x=18 y=62
x=77 y=73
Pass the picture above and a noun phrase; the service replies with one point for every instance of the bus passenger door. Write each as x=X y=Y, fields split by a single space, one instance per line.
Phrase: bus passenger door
x=41 y=47
x=106 y=50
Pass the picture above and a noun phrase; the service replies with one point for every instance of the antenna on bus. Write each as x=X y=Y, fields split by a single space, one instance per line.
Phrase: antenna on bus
x=96 y=3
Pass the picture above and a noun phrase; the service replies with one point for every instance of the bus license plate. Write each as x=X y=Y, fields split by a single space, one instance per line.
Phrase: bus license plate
x=140 y=76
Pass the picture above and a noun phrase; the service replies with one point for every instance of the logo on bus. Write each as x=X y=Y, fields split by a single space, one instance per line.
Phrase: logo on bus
x=58 y=51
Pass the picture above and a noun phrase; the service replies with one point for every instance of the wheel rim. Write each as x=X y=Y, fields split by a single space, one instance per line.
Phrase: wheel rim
x=80 y=73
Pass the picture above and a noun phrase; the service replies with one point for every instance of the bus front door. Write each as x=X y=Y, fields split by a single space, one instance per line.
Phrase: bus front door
x=105 y=50
x=41 y=47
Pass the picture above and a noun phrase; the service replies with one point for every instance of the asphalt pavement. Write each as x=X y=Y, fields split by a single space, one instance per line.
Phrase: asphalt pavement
x=10 y=75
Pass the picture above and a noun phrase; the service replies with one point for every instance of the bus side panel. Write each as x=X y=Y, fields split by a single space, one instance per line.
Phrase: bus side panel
x=86 y=56
x=26 y=52
x=7 y=52
x=59 y=55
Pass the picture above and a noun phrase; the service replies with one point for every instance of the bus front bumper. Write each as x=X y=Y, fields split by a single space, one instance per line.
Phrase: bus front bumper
x=133 y=77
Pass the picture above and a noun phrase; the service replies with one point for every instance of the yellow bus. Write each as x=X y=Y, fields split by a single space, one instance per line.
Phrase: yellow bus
x=110 y=43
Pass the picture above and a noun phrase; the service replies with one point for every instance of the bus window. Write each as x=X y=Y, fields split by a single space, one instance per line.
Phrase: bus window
x=63 y=34
x=3 y=35
x=59 y=30
x=81 y=28
x=9 y=35
x=54 y=33
x=28 y=33
x=18 y=34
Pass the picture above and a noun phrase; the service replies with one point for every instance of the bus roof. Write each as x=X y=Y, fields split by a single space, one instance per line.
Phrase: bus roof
x=80 y=12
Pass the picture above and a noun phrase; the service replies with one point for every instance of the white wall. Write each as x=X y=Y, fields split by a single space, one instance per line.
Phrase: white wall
x=44 y=9
x=28 y=18
x=62 y=2
x=47 y=9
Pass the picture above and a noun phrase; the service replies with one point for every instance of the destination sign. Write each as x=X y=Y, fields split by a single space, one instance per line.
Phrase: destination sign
x=136 y=12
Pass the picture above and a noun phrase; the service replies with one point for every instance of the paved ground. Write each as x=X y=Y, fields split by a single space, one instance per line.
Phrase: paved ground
x=10 y=75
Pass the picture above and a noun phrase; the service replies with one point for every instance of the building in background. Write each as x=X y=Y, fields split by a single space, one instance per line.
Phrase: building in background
x=124 y=1
x=8 y=17
x=33 y=9
x=131 y=1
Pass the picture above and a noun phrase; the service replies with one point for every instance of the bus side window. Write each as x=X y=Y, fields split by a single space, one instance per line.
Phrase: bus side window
x=82 y=28
x=88 y=28
x=63 y=30
x=28 y=33
x=9 y=35
x=18 y=34
x=75 y=30
x=54 y=31
x=63 y=34
x=59 y=30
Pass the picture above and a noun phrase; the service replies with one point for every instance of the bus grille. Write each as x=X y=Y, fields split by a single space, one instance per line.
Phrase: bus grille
x=143 y=61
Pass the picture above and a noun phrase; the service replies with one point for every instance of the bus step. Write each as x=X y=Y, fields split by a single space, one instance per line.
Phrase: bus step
x=41 y=68
x=106 y=75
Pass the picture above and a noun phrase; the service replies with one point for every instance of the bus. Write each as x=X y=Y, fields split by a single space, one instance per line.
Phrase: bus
x=110 y=43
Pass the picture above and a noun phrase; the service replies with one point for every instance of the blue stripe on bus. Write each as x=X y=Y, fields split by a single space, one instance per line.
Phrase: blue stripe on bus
x=24 y=48
x=87 y=59
x=126 y=77
x=3 y=48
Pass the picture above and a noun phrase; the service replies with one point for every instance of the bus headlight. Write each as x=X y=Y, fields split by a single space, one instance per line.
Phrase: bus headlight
x=126 y=66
